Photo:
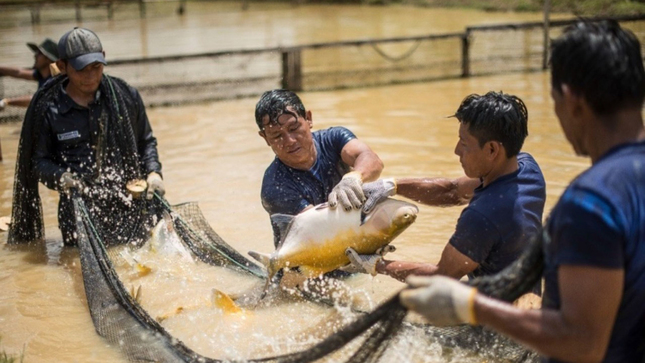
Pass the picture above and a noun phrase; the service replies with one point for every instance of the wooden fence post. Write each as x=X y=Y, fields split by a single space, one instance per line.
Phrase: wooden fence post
x=142 y=8
x=292 y=69
x=77 y=5
x=465 y=54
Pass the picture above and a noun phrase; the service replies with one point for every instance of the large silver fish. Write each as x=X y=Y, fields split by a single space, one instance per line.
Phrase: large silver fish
x=315 y=240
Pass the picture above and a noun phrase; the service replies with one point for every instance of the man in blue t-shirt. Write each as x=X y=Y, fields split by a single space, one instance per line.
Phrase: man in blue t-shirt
x=45 y=54
x=594 y=245
x=310 y=167
x=504 y=187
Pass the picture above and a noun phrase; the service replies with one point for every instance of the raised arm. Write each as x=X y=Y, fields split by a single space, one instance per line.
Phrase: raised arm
x=358 y=155
x=15 y=72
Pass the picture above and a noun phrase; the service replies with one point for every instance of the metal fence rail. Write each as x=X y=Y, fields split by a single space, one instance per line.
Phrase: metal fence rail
x=479 y=50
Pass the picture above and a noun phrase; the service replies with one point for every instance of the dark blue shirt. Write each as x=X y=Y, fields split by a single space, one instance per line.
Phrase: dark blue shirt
x=39 y=77
x=599 y=221
x=70 y=133
x=287 y=190
x=495 y=227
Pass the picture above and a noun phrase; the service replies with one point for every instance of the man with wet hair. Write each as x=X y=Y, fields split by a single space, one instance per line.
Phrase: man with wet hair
x=310 y=167
x=86 y=131
x=504 y=187
x=594 y=241
x=45 y=54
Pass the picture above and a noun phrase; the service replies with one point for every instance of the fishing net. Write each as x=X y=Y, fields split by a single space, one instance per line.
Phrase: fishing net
x=123 y=322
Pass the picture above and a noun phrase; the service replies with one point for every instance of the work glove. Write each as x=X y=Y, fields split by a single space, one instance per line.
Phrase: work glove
x=3 y=104
x=377 y=191
x=68 y=181
x=155 y=184
x=348 y=192
x=441 y=300
x=365 y=264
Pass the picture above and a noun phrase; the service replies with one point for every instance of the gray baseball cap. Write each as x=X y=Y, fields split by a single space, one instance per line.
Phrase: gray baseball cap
x=80 y=47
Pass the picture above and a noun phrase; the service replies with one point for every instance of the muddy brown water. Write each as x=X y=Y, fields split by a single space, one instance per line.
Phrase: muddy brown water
x=211 y=154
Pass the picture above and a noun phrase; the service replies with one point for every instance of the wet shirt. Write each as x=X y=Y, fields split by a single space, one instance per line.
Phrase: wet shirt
x=495 y=227
x=70 y=133
x=39 y=78
x=287 y=190
x=599 y=221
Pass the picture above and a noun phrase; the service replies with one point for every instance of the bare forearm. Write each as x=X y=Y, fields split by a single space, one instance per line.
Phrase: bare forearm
x=22 y=101
x=543 y=330
x=369 y=165
x=17 y=72
x=400 y=270
x=430 y=191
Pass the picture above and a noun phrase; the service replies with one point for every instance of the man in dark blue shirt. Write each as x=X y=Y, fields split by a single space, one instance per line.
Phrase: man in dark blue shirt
x=594 y=245
x=309 y=168
x=504 y=187
x=45 y=54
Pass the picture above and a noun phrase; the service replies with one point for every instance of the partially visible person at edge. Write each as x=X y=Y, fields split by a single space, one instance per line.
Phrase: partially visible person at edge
x=310 y=167
x=504 y=189
x=45 y=54
x=594 y=241
x=88 y=131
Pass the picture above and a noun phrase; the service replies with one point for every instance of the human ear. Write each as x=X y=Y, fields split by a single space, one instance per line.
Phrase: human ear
x=61 y=66
x=309 y=118
x=263 y=136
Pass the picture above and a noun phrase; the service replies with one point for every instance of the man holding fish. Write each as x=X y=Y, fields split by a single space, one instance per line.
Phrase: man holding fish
x=594 y=240
x=504 y=187
x=310 y=168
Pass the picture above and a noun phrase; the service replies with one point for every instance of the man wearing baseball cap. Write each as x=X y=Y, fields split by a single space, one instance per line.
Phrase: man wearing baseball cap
x=45 y=54
x=93 y=136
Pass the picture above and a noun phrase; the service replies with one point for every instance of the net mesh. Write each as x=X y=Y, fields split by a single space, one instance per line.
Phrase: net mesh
x=123 y=322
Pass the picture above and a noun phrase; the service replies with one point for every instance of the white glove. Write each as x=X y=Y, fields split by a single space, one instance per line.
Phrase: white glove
x=377 y=191
x=348 y=192
x=155 y=184
x=365 y=264
x=69 y=181
x=3 y=104
x=441 y=300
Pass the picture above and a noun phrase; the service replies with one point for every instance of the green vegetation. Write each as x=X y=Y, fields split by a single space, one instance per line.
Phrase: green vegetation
x=6 y=358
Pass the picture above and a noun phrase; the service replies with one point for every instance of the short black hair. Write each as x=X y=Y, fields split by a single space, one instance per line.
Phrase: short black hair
x=601 y=62
x=495 y=116
x=274 y=103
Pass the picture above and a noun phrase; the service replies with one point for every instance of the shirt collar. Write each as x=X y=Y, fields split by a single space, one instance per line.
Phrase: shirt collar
x=66 y=102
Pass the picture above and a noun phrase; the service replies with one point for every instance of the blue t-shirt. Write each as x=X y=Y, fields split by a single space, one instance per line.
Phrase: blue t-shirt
x=599 y=221
x=495 y=227
x=287 y=190
x=39 y=78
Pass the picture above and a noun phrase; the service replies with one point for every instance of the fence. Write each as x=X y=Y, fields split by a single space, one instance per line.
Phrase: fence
x=481 y=50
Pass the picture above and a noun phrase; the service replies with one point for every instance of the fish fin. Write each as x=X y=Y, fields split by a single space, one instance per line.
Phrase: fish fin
x=263 y=258
x=224 y=302
x=322 y=206
x=311 y=271
x=281 y=225
x=363 y=217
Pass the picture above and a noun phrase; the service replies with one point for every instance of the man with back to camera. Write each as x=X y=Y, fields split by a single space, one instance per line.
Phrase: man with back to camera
x=594 y=240
x=45 y=54
x=310 y=167
x=87 y=131
x=504 y=187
